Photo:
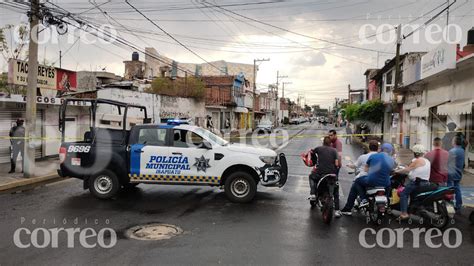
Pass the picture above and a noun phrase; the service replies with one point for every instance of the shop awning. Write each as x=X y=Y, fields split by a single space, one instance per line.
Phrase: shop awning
x=241 y=110
x=458 y=107
x=423 y=111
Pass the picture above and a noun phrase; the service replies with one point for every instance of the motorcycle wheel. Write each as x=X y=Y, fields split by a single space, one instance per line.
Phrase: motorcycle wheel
x=443 y=221
x=327 y=209
x=312 y=203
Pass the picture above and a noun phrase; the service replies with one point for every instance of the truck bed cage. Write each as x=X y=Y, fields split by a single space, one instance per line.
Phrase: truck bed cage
x=93 y=109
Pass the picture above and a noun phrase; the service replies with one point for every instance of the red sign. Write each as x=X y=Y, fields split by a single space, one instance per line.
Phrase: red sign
x=66 y=80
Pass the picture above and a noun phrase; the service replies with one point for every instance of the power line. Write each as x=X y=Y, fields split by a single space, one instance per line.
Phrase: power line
x=307 y=46
x=120 y=40
x=429 y=21
x=172 y=37
x=292 y=32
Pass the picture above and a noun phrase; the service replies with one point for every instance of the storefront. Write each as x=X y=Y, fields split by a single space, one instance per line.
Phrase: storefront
x=460 y=112
x=47 y=120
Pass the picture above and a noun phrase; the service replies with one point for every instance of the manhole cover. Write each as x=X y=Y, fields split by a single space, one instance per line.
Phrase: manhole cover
x=153 y=232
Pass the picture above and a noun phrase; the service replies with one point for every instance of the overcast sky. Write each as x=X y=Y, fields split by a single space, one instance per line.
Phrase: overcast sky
x=319 y=67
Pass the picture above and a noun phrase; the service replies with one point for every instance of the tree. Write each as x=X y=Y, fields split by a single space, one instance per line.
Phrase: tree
x=16 y=48
x=352 y=112
x=371 y=111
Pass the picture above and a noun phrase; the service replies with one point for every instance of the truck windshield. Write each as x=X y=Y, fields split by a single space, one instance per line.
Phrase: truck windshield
x=211 y=136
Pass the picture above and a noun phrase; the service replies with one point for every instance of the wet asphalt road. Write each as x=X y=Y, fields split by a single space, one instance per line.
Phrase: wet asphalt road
x=278 y=228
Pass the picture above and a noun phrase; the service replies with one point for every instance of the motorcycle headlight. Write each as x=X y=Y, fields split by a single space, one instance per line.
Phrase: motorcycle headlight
x=268 y=159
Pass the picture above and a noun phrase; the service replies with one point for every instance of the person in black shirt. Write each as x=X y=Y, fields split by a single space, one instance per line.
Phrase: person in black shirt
x=327 y=163
x=17 y=135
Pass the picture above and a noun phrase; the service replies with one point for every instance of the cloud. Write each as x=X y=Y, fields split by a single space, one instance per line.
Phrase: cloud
x=310 y=60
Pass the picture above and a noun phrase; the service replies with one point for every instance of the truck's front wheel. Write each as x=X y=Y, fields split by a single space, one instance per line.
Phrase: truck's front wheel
x=104 y=185
x=240 y=187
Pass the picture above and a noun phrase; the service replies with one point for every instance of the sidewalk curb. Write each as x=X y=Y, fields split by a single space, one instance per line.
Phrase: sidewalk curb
x=29 y=183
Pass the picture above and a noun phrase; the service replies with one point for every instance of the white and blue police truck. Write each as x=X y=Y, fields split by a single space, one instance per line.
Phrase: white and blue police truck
x=175 y=153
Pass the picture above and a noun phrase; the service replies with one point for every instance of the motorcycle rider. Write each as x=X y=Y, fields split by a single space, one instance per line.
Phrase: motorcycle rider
x=362 y=160
x=419 y=175
x=328 y=164
x=378 y=168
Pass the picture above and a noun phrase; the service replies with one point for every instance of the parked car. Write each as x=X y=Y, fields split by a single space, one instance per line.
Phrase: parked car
x=294 y=121
x=265 y=126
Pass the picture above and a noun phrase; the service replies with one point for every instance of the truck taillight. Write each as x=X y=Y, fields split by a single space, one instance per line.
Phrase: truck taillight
x=62 y=154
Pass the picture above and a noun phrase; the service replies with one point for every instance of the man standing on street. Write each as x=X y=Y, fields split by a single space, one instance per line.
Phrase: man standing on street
x=348 y=133
x=438 y=158
x=17 y=140
x=336 y=144
x=455 y=169
x=449 y=136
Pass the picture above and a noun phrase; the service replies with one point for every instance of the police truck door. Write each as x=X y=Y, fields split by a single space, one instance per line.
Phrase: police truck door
x=145 y=154
x=199 y=156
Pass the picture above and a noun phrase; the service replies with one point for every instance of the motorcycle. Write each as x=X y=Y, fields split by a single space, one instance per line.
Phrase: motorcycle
x=325 y=196
x=377 y=202
x=324 y=188
x=431 y=202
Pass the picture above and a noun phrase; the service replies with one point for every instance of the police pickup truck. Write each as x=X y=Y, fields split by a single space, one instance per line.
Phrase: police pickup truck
x=175 y=153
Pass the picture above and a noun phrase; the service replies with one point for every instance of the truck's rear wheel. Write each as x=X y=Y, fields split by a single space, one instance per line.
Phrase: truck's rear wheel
x=240 y=187
x=104 y=185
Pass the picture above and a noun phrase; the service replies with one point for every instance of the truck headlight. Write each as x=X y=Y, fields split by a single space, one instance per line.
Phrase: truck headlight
x=267 y=159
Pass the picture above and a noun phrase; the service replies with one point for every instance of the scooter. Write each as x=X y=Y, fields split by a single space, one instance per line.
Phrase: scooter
x=431 y=204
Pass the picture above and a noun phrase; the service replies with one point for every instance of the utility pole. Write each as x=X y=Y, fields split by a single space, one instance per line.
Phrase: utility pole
x=283 y=88
x=60 y=58
x=255 y=86
x=447 y=21
x=349 y=93
x=397 y=57
x=278 y=79
x=29 y=154
x=397 y=67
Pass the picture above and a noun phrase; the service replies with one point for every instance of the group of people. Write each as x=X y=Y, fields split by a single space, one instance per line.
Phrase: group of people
x=442 y=166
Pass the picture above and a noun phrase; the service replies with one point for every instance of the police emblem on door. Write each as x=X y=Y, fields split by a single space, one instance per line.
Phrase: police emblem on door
x=202 y=164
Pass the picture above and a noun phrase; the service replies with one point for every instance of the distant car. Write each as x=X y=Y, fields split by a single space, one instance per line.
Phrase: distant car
x=265 y=126
x=294 y=121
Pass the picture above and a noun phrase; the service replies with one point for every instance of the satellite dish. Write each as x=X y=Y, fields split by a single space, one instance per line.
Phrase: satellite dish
x=61 y=28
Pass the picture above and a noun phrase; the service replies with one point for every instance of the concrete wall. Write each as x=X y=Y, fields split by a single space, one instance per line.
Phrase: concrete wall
x=150 y=101
x=175 y=107
x=74 y=130
x=411 y=69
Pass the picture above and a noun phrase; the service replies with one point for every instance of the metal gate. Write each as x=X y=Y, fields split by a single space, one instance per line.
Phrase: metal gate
x=7 y=121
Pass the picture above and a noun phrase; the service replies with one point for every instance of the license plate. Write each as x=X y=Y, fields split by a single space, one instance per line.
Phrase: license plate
x=380 y=199
x=450 y=209
x=76 y=161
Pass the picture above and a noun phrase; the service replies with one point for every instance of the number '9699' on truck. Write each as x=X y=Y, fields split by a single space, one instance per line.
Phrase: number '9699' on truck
x=133 y=152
